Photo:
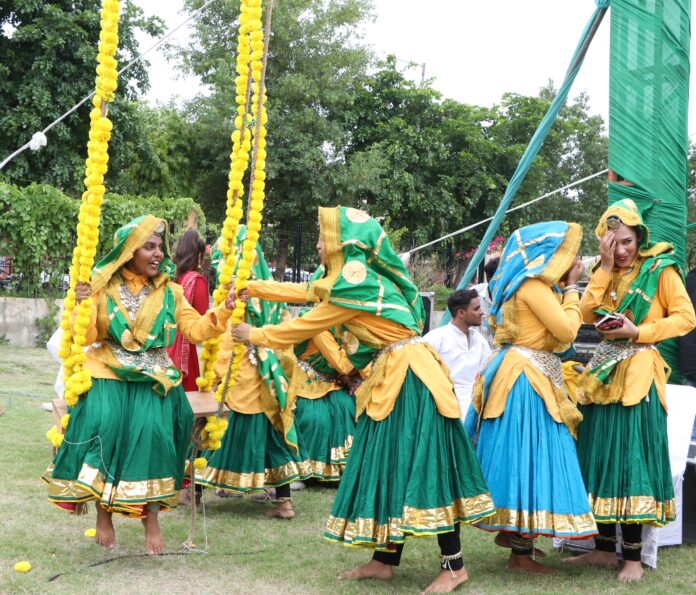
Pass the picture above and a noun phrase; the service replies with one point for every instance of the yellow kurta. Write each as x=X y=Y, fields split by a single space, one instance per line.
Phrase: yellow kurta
x=378 y=394
x=545 y=321
x=303 y=384
x=275 y=291
x=671 y=314
x=189 y=323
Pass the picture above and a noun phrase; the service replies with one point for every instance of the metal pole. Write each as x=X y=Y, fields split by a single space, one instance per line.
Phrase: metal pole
x=298 y=253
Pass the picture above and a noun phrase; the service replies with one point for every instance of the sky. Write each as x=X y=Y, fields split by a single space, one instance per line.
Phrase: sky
x=474 y=50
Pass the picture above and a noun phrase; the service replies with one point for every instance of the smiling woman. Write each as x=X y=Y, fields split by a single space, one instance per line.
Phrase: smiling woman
x=126 y=440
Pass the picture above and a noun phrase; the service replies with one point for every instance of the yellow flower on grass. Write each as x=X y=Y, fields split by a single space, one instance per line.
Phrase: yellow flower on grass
x=90 y=533
x=23 y=566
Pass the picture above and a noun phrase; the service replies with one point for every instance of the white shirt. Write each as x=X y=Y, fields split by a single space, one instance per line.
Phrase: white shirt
x=485 y=301
x=464 y=356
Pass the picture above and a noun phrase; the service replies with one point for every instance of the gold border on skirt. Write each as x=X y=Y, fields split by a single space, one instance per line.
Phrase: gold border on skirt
x=125 y=497
x=634 y=509
x=413 y=522
x=542 y=522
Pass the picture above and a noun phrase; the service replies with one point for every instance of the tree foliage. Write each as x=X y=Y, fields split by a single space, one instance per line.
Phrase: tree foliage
x=315 y=55
x=38 y=225
x=48 y=64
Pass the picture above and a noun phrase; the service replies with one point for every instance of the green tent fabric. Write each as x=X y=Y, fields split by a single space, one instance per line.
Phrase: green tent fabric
x=648 y=107
x=534 y=145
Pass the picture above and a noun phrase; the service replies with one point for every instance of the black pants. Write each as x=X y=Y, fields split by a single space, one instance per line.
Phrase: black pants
x=632 y=544
x=283 y=491
x=449 y=543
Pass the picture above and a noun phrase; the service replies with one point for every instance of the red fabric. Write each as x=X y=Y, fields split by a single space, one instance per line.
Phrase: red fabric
x=181 y=352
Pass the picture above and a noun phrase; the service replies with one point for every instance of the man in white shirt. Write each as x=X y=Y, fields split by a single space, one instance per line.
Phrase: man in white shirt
x=489 y=269
x=461 y=345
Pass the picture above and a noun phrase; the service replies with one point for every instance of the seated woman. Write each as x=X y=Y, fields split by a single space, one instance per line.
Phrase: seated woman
x=188 y=258
x=622 y=392
x=411 y=470
x=126 y=442
x=261 y=447
x=527 y=420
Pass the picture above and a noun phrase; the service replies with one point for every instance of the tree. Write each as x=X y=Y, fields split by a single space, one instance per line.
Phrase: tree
x=315 y=55
x=412 y=157
x=48 y=54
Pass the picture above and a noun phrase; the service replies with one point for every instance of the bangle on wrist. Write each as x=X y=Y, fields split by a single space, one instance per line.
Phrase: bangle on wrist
x=571 y=288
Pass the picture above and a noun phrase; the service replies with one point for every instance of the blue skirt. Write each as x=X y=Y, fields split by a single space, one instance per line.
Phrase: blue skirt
x=530 y=464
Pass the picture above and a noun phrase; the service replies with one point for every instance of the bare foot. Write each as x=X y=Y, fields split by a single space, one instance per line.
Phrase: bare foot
x=523 y=563
x=372 y=569
x=631 y=571
x=154 y=543
x=447 y=581
x=184 y=497
x=502 y=539
x=594 y=558
x=106 y=535
x=282 y=510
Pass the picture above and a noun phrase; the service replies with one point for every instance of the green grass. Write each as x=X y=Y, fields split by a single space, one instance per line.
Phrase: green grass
x=246 y=552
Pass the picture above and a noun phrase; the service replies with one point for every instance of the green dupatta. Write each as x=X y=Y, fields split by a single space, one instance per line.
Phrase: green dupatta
x=363 y=271
x=603 y=379
x=135 y=350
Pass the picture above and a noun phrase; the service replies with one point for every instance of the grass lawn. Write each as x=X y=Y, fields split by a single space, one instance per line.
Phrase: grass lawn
x=246 y=552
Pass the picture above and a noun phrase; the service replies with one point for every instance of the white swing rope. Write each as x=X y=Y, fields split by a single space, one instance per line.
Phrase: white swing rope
x=405 y=256
x=38 y=139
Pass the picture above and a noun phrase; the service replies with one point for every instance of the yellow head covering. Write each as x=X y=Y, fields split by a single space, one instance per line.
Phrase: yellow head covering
x=626 y=211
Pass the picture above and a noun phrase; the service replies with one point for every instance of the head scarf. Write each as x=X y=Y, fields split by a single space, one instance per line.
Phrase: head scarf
x=127 y=240
x=135 y=351
x=543 y=251
x=627 y=212
x=363 y=272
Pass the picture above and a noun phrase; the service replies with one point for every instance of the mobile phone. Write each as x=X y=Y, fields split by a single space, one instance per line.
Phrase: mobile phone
x=609 y=322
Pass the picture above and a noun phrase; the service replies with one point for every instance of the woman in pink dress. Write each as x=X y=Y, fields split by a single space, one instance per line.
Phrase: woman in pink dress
x=188 y=258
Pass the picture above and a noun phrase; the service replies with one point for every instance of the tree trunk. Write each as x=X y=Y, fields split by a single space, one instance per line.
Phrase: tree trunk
x=282 y=259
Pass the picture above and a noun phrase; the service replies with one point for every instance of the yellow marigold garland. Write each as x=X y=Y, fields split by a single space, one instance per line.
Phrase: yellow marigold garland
x=239 y=160
x=76 y=317
x=215 y=427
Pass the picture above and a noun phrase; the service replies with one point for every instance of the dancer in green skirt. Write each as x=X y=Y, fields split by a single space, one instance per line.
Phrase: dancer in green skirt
x=622 y=440
x=261 y=447
x=126 y=442
x=412 y=470
x=325 y=411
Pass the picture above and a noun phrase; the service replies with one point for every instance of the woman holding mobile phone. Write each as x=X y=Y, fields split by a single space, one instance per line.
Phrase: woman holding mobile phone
x=622 y=391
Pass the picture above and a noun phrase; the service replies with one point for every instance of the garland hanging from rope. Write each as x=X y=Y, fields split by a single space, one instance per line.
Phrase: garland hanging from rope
x=250 y=128
x=76 y=317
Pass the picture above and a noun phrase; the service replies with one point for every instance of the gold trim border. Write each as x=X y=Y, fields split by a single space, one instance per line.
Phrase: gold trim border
x=414 y=522
x=541 y=522
x=125 y=497
x=250 y=481
x=634 y=509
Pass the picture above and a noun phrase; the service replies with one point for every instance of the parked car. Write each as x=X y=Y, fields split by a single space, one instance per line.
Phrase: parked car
x=304 y=276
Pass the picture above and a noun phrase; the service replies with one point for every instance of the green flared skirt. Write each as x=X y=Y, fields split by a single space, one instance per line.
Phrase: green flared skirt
x=624 y=458
x=253 y=456
x=413 y=473
x=125 y=446
x=327 y=426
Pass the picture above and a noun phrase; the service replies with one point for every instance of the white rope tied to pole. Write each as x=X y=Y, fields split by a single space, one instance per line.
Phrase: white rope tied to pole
x=405 y=256
x=39 y=140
